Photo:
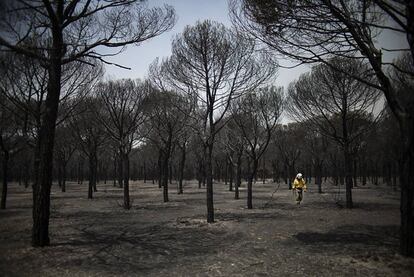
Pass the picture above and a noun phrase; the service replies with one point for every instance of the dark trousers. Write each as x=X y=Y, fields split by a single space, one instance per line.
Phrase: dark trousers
x=299 y=197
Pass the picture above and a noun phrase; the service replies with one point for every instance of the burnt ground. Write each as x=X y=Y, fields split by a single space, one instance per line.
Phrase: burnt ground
x=277 y=238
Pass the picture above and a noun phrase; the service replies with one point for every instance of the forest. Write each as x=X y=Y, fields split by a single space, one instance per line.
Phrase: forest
x=189 y=171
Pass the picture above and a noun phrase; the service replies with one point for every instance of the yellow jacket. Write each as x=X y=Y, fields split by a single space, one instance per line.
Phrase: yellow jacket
x=299 y=184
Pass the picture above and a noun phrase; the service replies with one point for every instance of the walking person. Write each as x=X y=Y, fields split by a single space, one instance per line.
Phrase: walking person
x=299 y=186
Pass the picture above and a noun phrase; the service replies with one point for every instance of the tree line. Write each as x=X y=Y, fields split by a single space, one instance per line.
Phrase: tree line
x=211 y=110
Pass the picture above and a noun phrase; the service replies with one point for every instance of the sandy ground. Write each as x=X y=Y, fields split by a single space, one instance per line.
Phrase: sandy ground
x=277 y=238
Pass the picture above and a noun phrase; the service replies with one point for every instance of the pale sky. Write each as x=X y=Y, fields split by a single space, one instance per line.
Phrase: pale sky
x=138 y=58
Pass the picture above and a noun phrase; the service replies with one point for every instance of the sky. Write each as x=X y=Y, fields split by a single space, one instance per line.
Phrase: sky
x=188 y=12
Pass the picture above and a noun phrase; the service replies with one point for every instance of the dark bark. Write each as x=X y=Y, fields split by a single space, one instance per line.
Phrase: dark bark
x=348 y=176
x=92 y=175
x=318 y=175
x=59 y=173
x=238 y=175
x=43 y=181
x=125 y=178
x=80 y=171
x=6 y=158
x=226 y=172
x=209 y=177
x=160 y=169
x=407 y=187
x=64 y=176
x=115 y=170
x=252 y=176
x=364 y=174
x=120 y=169
x=170 y=172
x=144 y=169
x=354 y=173
x=164 y=178
x=231 y=170
x=182 y=166
x=394 y=175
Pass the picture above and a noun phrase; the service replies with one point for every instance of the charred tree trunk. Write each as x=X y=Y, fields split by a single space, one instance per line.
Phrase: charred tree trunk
x=165 y=173
x=318 y=174
x=92 y=175
x=348 y=176
x=252 y=176
x=144 y=169
x=354 y=173
x=226 y=172
x=120 y=169
x=170 y=171
x=231 y=169
x=364 y=173
x=209 y=177
x=287 y=176
x=43 y=180
x=160 y=168
x=182 y=166
x=59 y=173
x=125 y=175
x=64 y=176
x=199 y=173
x=115 y=170
x=238 y=175
x=407 y=187
x=5 y=179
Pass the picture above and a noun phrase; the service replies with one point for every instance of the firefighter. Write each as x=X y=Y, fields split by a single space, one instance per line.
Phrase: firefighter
x=299 y=186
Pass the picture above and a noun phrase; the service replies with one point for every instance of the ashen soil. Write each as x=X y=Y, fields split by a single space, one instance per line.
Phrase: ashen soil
x=277 y=238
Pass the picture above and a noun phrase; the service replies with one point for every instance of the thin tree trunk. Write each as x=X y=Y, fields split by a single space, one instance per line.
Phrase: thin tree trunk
x=115 y=170
x=407 y=188
x=92 y=180
x=160 y=169
x=182 y=166
x=238 y=175
x=120 y=169
x=348 y=176
x=209 y=177
x=170 y=172
x=5 y=179
x=165 y=175
x=59 y=173
x=125 y=167
x=231 y=169
x=145 y=173
x=252 y=175
x=354 y=173
x=64 y=177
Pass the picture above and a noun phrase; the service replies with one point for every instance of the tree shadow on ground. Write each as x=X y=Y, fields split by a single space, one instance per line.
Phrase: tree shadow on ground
x=249 y=216
x=353 y=238
x=369 y=206
x=133 y=249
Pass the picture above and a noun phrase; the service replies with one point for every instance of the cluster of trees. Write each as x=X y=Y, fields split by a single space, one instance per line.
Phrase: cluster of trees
x=212 y=101
x=314 y=31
